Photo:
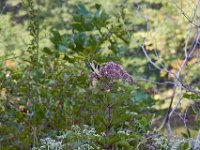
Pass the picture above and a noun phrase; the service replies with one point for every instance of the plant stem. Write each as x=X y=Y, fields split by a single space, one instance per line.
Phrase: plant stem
x=108 y=119
x=108 y=108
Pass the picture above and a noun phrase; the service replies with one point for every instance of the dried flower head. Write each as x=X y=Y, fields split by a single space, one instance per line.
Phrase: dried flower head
x=112 y=71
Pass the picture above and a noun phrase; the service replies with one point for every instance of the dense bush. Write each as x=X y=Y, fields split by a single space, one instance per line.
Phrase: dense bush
x=50 y=99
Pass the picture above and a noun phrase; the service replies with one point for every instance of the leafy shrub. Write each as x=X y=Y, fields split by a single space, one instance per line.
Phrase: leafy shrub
x=50 y=91
x=48 y=100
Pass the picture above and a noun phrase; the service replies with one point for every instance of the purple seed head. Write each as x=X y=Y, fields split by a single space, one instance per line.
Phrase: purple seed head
x=112 y=71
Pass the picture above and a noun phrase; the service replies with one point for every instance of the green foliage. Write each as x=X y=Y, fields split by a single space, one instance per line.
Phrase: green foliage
x=10 y=36
x=156 y=141
x=45 y=95
x=47 y=100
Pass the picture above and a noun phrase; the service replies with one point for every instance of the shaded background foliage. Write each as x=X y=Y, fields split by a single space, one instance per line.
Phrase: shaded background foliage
x=46 y=47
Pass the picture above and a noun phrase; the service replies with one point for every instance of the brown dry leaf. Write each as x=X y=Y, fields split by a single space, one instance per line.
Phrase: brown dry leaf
x=3 y=92
x=10 y=64
x=58 y=104
x=21 y=107
x=29 y=104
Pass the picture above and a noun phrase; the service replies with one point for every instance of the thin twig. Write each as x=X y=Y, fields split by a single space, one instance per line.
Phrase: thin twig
x=197 y=142
x=178 y=82
x=3 y=9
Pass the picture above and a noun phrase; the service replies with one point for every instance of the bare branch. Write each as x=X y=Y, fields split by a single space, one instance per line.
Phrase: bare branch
x=3 y=9
x=197 y=142
x=190 y=20
x=178 y=82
